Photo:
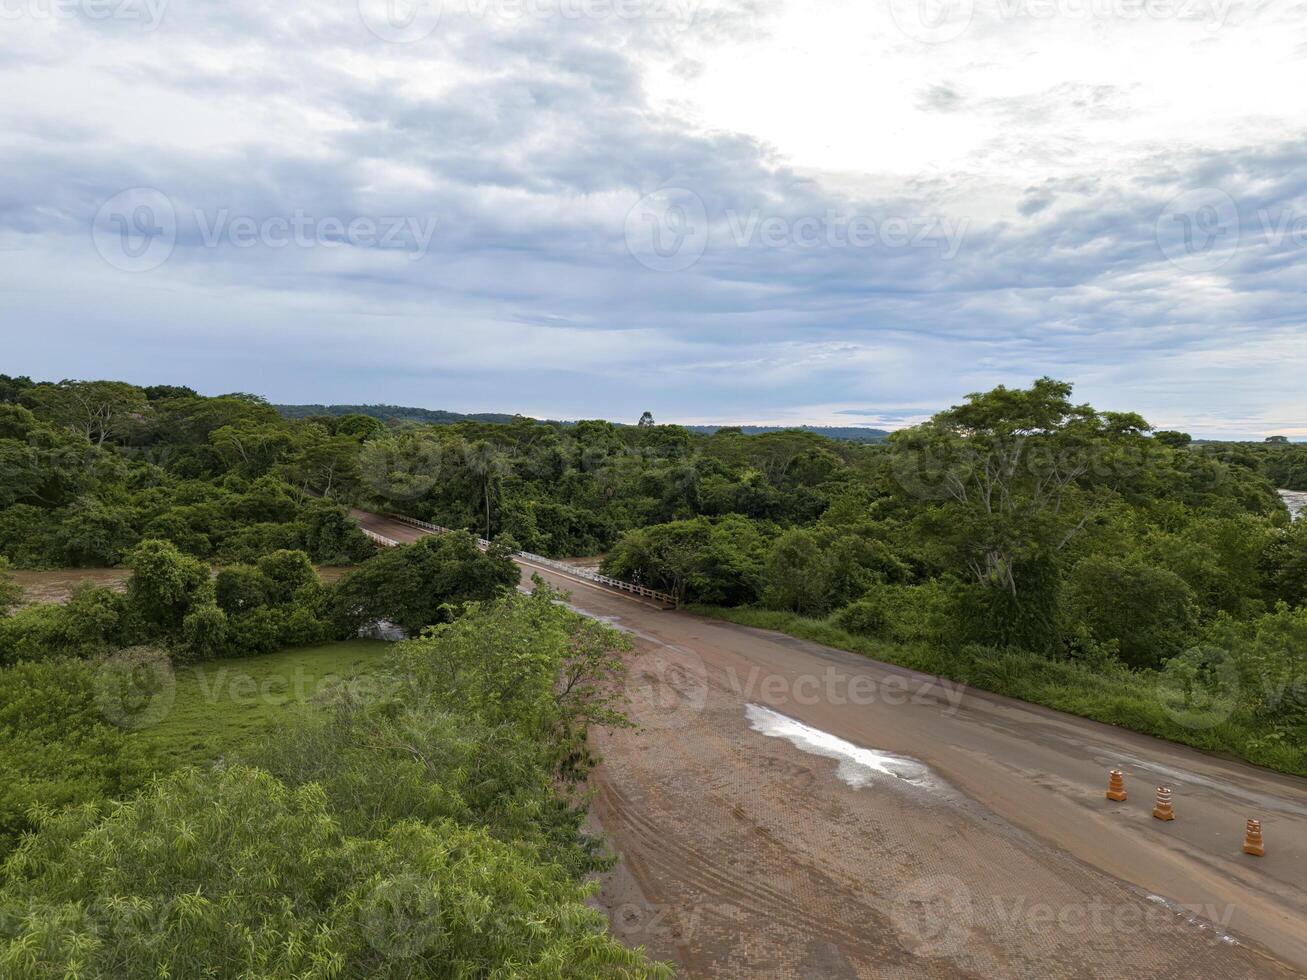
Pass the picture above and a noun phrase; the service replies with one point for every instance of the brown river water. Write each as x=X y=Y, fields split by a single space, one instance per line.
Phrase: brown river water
x=1295 y=500
x=57 y=585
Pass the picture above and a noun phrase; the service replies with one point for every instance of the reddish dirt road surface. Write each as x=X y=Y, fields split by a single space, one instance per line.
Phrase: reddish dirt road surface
x=790 y=810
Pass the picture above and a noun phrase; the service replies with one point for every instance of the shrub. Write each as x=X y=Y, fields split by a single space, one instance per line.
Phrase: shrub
x=420 y=584
x=902 y=613
x=11 y=593
x=798 y=574
x=240 y=589
x=231 y=873
x=165 y=584
x=56 y=747
x=205 y=632
x=286 y=572
x=701 y=560
x=1148 y=611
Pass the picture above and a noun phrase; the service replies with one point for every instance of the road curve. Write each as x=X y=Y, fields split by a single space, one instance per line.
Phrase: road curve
x=786 y=809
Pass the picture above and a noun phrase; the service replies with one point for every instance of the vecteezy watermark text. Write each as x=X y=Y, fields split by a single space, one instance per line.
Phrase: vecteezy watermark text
x=303 y=230
x=935 y=916
x=148 y=13
x=669 y=231
x=839 y=688
x=835 y=230
x=138 y=229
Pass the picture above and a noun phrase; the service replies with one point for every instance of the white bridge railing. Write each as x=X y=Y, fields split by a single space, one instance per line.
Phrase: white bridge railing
x=563 y=567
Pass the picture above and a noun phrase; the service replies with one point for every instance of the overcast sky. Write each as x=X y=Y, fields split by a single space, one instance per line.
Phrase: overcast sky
x=730 y=211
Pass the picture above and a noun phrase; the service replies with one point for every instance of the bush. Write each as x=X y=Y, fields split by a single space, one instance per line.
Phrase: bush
x=89 y=624
x=1028 y=617
x=11 y=593
x=1148 y=611
x=231 y=873
x=29 y=536
x=798 y=574
x=286 y=572
x=56 y=748
x=433 y=832
x=241 y=589
x=701 y=560
x=165 y=584
x=902 y=613
x=421 y=584
x=205 y=632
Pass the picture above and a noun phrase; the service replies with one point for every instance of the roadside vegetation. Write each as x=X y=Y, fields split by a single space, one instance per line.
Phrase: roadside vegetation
x=430 y=827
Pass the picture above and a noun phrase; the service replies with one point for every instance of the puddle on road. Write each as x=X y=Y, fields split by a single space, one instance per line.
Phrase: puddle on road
x=858 y=767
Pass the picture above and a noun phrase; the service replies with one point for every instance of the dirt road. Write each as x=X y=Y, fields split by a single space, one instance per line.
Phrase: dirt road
x=789 y=810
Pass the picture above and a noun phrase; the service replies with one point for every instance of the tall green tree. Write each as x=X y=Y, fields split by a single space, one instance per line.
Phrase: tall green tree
x=1014 y=474
x=488 y=465
x=99 y=410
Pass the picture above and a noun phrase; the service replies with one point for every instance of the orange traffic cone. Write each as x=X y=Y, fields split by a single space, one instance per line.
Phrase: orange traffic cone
x=1116 y=786
x=1252 y=841
x=1163 y=811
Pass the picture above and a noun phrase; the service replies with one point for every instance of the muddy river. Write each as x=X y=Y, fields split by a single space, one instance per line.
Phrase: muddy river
x=57 y=585
x=1295 y=500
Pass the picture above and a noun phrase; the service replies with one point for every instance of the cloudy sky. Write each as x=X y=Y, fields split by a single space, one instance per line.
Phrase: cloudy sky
x=722 y=211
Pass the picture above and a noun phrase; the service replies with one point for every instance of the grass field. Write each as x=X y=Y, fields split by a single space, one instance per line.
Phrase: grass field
x=223 y=704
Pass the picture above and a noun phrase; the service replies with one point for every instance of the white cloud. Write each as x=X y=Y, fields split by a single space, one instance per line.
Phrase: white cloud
x=1052 y=144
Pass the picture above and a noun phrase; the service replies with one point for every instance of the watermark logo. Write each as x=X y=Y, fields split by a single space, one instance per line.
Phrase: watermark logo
x=667 y=231
x=136 y=230
x=1100 y=917
x=929 y=474
x=1199 y=230
x=933 y=21
x=666 y=687
x=401 y=917
x=646 y=923
x=833 y=230
x=396 y=470
x=955 y=470
x=135 y=689
x=934 y=915
x=148 y=13
x=1200 y=688
x=840 y=688
x=401 y=21
x=303 y=230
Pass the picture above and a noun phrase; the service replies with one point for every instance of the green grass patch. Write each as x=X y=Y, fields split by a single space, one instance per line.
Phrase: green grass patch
x=1113 y=694
x=221 y=705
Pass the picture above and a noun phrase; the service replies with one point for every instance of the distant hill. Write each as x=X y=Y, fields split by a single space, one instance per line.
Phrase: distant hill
x=429 y=416
x=843 y=432
x=388 y=412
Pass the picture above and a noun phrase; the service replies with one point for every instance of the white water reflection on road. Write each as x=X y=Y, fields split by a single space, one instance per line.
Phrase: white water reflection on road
x=858 y=767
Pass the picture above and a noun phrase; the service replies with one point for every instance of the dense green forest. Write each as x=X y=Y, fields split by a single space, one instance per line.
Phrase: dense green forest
x=1018 y=541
